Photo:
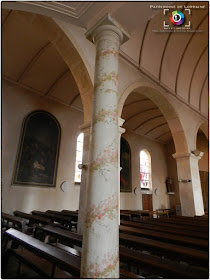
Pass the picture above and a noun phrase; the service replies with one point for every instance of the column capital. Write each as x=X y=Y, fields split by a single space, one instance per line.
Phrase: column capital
x=120 y=128
x=85 y=128
x=107 y=23
x=194 y=155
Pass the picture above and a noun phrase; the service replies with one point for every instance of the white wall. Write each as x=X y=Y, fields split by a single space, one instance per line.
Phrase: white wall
x=16 y=104
x=159 y=172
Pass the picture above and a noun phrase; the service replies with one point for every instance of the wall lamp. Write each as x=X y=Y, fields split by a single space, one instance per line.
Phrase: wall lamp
x=184 y=180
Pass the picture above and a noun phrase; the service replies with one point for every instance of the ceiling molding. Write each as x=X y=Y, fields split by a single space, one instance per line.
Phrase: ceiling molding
x=3 y=23
x=40 y=93
x=68 y=8
x=201 y=93
x=163 y=134
x=72 y=101
x=156 y=127
x=186 y=47
x=33 y=60
x=63 y=74
x=141 y=112
x=190 y=86
x=148 y=120
x=137 y=101
x=142 y=44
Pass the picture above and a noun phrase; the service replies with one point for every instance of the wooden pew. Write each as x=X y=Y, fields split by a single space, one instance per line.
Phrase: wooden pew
x=33 y=220
x=185 y=222
x=9 y=221
x=172 y=225
x=125 y=216
x=50 y=253
x=170 y=238
x=181 y=253
x=181 y=232
x=161 y=267
x=66 y=221
x=61 y=235
x=73 y=216
x=56 y=256
x=177 y=252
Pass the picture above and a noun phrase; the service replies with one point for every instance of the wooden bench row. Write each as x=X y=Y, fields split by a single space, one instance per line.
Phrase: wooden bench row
x=60 y=259
x=64 y=260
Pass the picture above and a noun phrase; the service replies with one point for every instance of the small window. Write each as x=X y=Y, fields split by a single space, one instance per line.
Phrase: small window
x=145 y=170
x=79 y=153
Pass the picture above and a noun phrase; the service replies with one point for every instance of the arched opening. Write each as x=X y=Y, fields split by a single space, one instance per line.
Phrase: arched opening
x=51 y=39
x=152 y=124
x=202 y=148
x=41 y=70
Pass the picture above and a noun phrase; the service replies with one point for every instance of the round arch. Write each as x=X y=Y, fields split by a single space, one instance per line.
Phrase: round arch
x=166 y=108
x=204 y=127
x=67 y=51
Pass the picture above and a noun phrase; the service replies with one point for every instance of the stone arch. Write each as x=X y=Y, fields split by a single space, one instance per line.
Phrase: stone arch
x=67 y=51
x=204 y=127
x=165 y=107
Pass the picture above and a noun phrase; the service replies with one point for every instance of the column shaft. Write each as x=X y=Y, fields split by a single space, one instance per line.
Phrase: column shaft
x=190 y=192
x=100 y=257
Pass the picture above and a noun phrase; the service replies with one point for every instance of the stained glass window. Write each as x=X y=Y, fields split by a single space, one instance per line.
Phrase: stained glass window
x=79 y=152
x=145 y=169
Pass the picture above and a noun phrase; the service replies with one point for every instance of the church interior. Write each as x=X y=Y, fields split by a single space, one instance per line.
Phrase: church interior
x=105 y=139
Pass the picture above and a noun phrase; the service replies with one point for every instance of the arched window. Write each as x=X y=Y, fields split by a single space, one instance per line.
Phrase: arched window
x=145 y=170
x=37 y=158
x=79 y=153
x=125 y=164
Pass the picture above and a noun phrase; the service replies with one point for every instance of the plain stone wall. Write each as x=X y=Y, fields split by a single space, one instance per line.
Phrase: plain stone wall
x=16 y=104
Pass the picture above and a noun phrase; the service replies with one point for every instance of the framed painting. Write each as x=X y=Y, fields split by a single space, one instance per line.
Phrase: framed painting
x=125 y=164
x=37 y=157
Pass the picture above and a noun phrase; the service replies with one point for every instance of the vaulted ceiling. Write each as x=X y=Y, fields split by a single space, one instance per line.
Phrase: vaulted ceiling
x=143 y=117
x=178 y=62
x=32 y=62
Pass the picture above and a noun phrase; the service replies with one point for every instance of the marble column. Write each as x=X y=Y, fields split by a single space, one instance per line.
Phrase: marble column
x=190 y=191
x=100 y=255
x=120 y=132
x=85 y=128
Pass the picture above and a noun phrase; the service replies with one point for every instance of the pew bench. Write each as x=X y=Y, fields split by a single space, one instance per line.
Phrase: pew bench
x=10 y=221
x=62 y=235
x=161 y=267
x=168 y=238
x=48 y=261
x=65 y=221
x=73 y=216
x=53 y=255
x=158 y=228
x=171 y=251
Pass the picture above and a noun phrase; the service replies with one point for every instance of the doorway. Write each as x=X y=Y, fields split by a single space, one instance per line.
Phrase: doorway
x=147 y=202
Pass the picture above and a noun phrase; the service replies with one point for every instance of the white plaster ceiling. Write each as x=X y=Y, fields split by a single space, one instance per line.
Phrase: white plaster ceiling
x=143 y=117
x=31 y=61
x=178 y=62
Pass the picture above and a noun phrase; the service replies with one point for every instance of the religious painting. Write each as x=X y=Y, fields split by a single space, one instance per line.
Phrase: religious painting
x=37 y=159
x=125 y=164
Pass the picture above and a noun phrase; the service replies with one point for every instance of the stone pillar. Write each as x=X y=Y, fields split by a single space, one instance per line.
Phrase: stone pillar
x=120 y=132
x=100 y=256
x=85 y=128
x=190 y=192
